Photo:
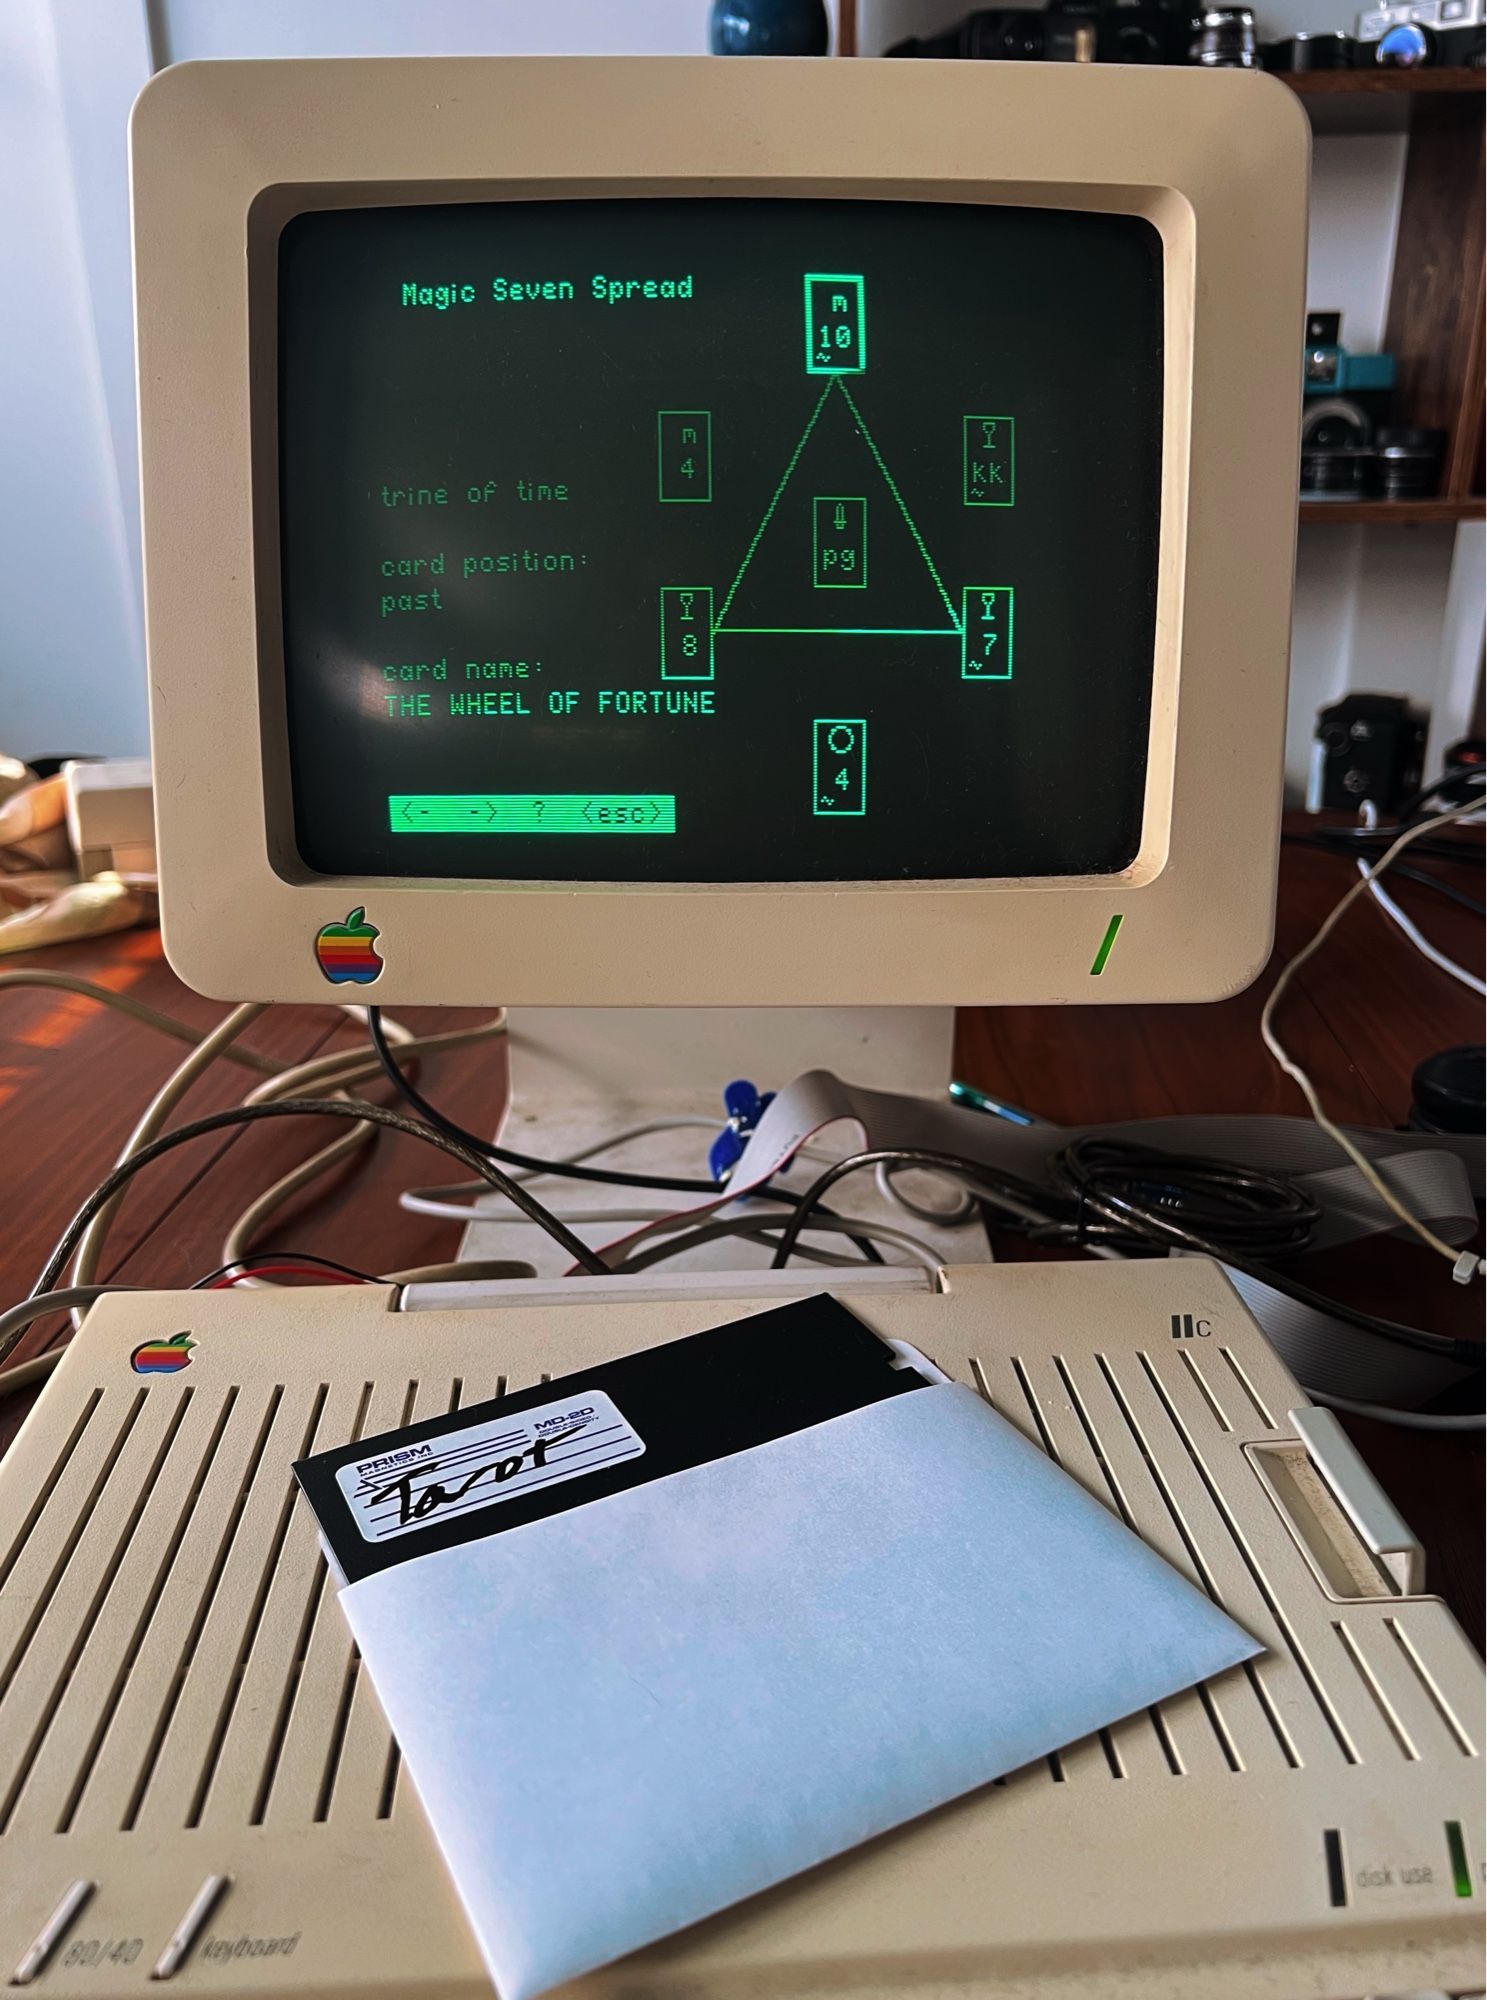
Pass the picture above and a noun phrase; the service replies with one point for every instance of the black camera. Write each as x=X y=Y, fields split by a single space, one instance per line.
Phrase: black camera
x=1367 y=747
x=998 y=34
x=1136 y=31
x=1125 y=31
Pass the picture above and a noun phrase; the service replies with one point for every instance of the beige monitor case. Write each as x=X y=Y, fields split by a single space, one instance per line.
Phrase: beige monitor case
x=224 y=154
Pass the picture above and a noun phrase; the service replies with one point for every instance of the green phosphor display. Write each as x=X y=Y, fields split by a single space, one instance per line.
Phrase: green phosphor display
x=666 y=523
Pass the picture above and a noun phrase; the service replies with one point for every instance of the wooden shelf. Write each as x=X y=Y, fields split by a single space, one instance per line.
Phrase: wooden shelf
x=1393 y=513
x=1381 y=82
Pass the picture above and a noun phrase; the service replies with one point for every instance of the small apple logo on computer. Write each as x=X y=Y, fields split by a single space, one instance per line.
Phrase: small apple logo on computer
x=162 y=1357
x=348 y=952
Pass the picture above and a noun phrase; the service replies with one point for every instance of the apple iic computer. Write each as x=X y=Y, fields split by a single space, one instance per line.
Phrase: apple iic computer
x=757 y=537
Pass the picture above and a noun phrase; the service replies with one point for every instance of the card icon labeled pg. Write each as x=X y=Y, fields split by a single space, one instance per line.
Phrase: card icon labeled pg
x=839 y=542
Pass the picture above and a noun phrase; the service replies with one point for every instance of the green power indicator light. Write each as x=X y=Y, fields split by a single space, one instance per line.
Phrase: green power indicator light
x=1461 y=1874
x=1107 y=945
x=526 y=812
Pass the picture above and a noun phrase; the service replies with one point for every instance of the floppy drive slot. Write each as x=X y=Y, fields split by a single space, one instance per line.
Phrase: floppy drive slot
x=1344 y=1523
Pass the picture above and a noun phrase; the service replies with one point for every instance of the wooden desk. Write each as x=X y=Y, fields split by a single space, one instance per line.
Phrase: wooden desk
x=73 y=1078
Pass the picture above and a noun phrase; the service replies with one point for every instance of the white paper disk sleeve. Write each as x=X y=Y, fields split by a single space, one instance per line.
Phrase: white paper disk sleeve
x=629 y=1715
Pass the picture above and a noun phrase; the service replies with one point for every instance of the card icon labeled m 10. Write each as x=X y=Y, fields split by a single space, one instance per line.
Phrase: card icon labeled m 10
x=835 y=324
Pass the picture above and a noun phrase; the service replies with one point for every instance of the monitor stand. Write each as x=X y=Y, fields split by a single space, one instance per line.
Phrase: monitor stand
x=580 y=1074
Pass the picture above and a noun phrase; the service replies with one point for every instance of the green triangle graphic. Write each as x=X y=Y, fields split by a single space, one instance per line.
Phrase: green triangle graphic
x=774 y=590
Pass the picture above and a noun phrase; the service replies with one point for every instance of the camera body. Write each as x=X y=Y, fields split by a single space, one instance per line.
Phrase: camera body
x=1367 y=747
x=1415 y=33
x=1328 y=369
x=1123 y=31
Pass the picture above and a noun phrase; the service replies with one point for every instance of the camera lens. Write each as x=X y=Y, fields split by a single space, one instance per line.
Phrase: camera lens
x=1405 y=46
x=1308 y=50
x=1332 y=420
x=1130 y=42
x=1408 y=462
x=1334 y=472
x=1225 y=39
x=1021 y=37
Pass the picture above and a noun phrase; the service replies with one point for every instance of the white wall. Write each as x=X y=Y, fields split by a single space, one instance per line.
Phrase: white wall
x=188 y=29
x=71 y=648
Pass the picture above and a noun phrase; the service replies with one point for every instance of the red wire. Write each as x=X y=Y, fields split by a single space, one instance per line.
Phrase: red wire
x=284 y=1270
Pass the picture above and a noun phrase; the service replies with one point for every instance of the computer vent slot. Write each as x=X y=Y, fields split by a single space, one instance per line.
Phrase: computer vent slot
x=49 y=1485
x=1246 y=1387
x=1431 y=1688
x=171 y=1652
x=1393 y=1721
x=1172 y=1435
x=1078 y=1411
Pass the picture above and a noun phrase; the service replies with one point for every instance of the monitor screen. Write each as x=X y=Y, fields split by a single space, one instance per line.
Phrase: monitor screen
x=705 y=540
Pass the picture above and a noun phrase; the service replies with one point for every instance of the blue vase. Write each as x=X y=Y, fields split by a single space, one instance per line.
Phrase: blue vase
x=768 y=28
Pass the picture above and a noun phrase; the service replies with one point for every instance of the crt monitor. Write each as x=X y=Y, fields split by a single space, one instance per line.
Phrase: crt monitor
x=717 y=533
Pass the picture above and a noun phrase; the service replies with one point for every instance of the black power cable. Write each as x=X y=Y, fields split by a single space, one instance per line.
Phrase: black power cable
x=1399 y=869
x=1125 y=1196
x=247 y=1265
x=562 y=1170
x=1128 y=1196
x=356 y=1109
x=605 y=1176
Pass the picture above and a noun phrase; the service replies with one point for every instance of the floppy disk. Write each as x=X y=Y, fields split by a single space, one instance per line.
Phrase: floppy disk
x=666 y=1632
x=498 y=1465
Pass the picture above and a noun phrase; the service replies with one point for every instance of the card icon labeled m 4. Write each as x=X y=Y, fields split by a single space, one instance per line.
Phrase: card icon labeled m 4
x=839 y=541
x=684 y=456
x=835 y=324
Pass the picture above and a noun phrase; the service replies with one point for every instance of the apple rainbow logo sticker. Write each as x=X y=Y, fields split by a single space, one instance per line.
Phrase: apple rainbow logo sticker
x=348 y=952
x=162 y=1357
